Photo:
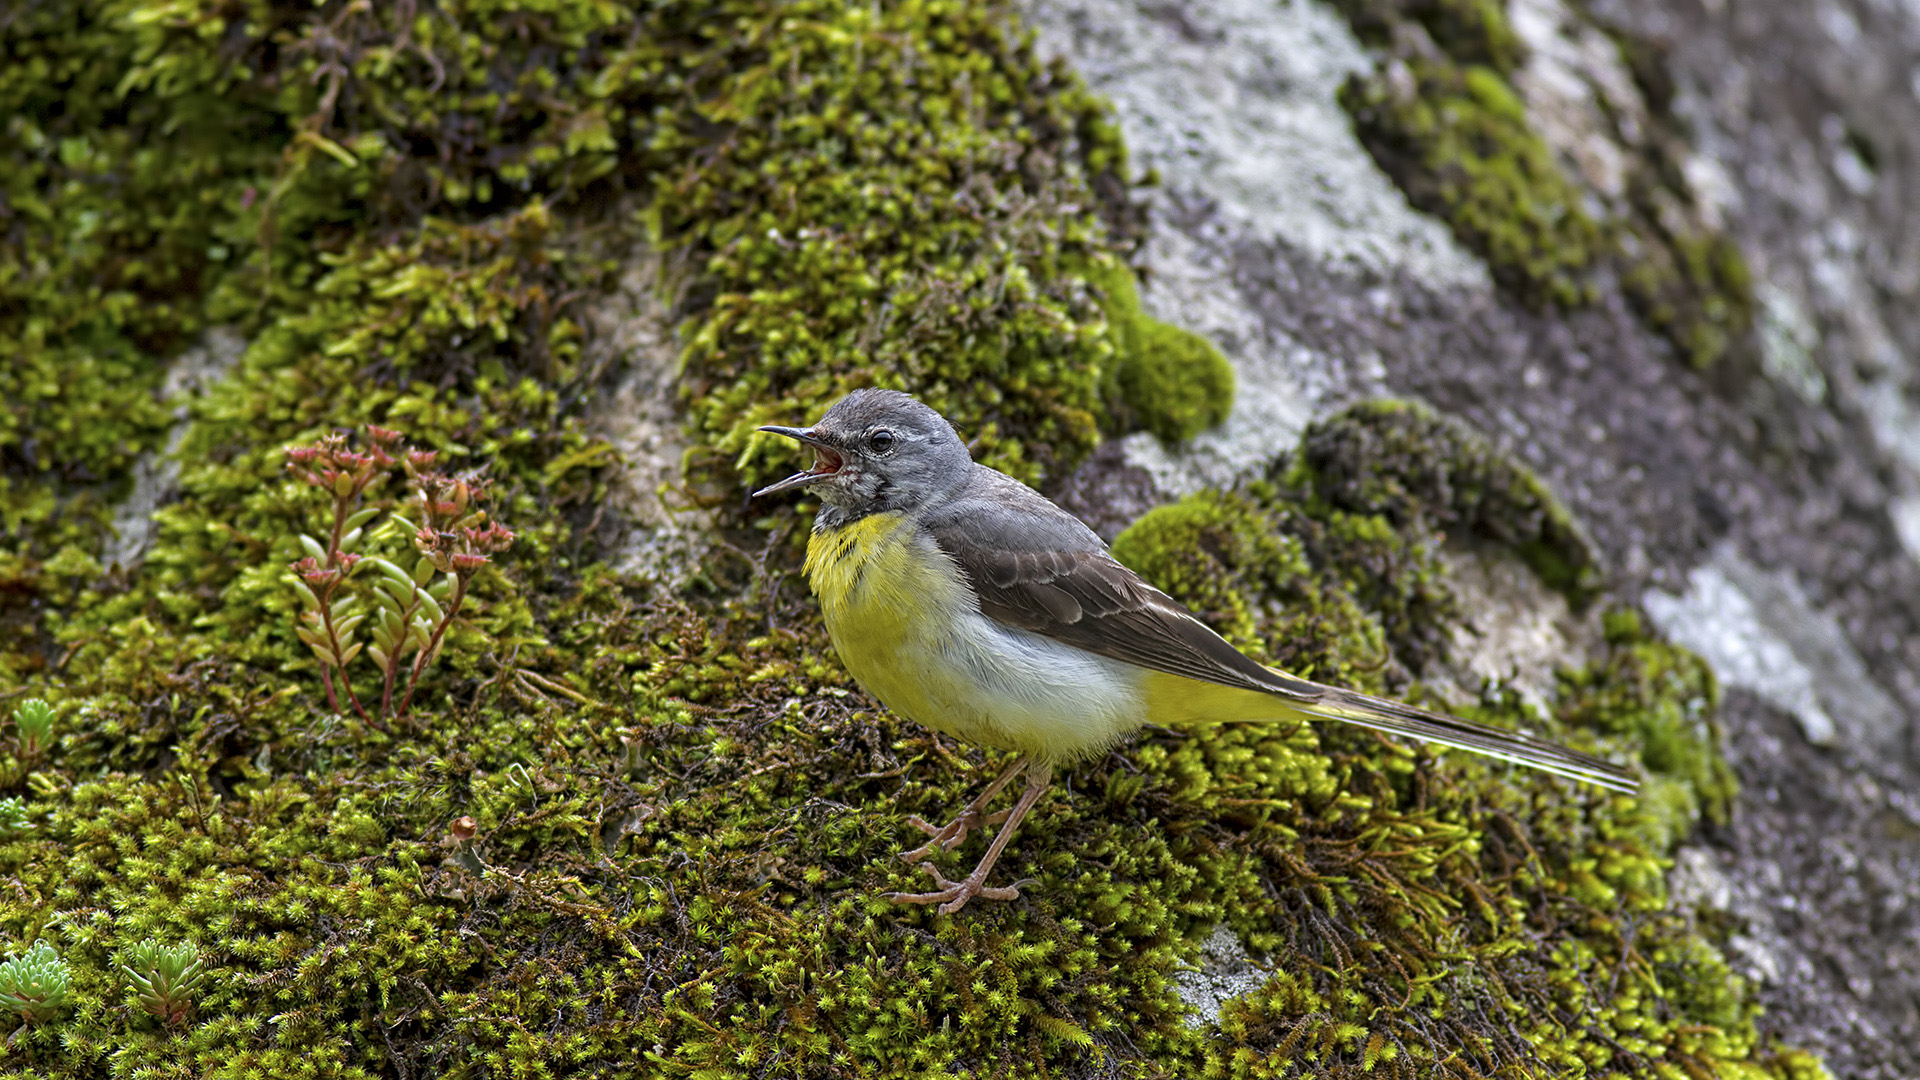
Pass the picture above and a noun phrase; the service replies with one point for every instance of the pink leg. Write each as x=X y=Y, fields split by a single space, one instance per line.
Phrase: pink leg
x=973 y=817
x=953 y=895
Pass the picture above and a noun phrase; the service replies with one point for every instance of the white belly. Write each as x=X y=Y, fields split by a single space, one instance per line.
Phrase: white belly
x=1015 y=690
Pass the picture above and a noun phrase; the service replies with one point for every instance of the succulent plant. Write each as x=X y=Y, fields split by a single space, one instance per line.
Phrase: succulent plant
x=165 y=977
x=13 y=817
x=34 y=984
x=411 y=610
x=34 y=720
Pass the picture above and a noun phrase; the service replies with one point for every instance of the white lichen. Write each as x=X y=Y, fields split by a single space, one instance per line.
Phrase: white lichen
x=1761 y=633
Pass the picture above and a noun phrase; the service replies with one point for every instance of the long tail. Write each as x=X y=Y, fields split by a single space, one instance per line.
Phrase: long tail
x=1397 y=719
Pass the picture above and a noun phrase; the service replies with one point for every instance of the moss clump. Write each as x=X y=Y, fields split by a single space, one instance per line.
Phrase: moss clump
x=1167 y=380
x=1371 y=490
x=1692 y=284
x=1420 y=470
x=1442 y=118
x=1455 y=138
x=1469 y=31
x=1665 y=698
x=1223 y=555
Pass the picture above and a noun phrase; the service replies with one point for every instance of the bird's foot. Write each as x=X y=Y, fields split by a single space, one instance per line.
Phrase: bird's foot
x=947 y=838
x=953 y=895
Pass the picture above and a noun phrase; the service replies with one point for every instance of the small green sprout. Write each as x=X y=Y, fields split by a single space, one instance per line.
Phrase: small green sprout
x=13 y=817
x=34 y=984
x=34 y=720
x=165 y=977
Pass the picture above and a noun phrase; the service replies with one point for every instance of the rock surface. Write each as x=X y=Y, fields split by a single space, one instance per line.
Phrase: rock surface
x=638 y=810
x=1755 y=510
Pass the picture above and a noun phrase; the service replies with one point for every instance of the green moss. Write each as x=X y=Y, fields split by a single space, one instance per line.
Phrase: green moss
x=1695 y=288
x=1665 y=698
x=1798 y=1065
x=1441 y=116
x=1224 y=557
x=1470 y=31
x=1398 y=473
x=1456 y=140
x=113 y=236
x=1260 y=563
x=1167 y=380
x=901 y=213
x=1418 y=469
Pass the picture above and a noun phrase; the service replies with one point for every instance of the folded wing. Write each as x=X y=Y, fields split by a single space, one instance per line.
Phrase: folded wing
x=1037 y=568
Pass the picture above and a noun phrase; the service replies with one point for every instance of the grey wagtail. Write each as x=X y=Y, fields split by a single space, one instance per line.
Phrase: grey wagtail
x=965 y=601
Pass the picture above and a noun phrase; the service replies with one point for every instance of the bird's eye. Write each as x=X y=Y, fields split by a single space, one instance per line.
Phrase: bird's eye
x=880 y=441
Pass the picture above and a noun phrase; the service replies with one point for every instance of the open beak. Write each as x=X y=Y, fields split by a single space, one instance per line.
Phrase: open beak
x=826 y=461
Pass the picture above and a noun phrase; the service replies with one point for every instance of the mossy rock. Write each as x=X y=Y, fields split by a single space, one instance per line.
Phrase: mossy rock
x=625 y=833
x=1695 y=288
x=1223 y=555
x=1404 y=462
x=1166 y=380
x=1666 y=698
x=1441 y=116
x=1470 y=31
x=1455 y=138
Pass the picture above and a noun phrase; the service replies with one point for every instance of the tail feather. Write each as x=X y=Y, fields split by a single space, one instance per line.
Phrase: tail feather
x=1397 y=719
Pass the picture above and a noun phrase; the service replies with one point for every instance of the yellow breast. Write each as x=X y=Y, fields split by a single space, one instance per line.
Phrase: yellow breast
x=909 y=629
x=886 y=599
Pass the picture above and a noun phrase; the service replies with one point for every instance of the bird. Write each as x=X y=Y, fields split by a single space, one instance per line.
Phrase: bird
x=967 y=602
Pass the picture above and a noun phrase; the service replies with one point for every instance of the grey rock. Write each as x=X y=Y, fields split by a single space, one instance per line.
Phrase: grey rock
x=1225 y=972
x=1789 y=476
x=156 y=476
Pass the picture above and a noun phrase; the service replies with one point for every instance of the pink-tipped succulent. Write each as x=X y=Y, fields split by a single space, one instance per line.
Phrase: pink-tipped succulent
x=410 y=611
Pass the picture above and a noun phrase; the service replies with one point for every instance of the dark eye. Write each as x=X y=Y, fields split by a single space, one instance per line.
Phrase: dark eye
x=880 y=441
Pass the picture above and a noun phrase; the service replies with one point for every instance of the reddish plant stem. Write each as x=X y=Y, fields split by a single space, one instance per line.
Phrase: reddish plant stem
x=333 y=640
x=335 y=562
x=453 y=608
x=326 y=680
x=393 y=662
x=340 y=516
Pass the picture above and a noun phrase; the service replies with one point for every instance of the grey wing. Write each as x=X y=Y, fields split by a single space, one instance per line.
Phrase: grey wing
x=1036 y=567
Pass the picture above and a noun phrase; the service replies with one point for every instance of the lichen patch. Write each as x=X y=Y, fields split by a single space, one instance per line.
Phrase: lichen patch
x=643 y=418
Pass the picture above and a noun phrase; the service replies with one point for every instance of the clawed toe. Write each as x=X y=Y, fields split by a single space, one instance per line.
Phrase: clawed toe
x=925 y=851
x=952 y=835
x=941 y=839
x=953 y=895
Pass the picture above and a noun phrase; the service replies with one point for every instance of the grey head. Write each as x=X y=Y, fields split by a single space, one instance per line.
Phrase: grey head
x=875 y=451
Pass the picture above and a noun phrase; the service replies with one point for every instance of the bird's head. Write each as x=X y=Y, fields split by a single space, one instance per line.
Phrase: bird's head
x=877 y=450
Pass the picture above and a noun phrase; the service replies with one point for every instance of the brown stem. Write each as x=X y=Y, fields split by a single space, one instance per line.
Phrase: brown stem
x=419 y=665
x=326 y=680
x=340 y=517
x=393 y=662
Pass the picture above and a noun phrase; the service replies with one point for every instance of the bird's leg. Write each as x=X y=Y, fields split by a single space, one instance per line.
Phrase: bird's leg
x=953 y=895
x=973 y=817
